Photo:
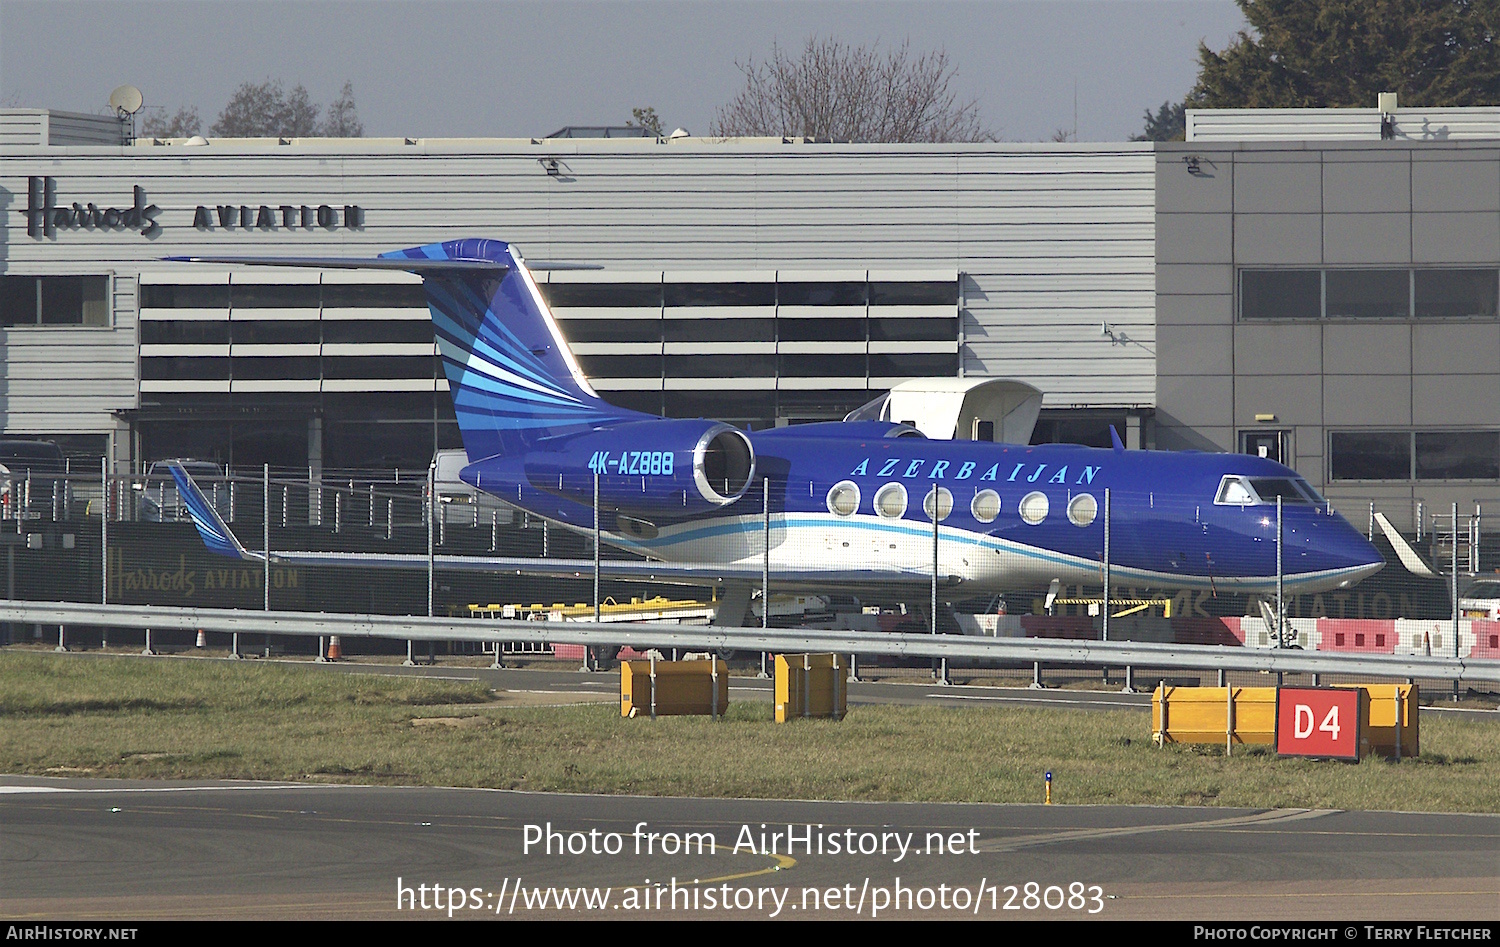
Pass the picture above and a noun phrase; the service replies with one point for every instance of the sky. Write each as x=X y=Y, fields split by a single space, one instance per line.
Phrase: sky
x=499 y=68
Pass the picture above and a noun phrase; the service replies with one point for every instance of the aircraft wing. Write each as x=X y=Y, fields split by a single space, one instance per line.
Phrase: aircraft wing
x=219 y=538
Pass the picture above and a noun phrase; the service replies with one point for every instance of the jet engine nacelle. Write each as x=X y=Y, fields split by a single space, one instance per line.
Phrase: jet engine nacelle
x=663 y=468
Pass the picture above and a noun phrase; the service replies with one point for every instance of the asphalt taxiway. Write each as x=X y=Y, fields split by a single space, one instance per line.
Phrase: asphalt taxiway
x=113 y=849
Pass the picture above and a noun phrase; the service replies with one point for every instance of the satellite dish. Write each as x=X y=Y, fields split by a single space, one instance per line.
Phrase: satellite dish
x=126 y=100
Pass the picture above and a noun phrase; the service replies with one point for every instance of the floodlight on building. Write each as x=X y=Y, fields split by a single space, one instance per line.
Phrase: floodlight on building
x=551 y=166
x=1386 y=101
x=1265 y=418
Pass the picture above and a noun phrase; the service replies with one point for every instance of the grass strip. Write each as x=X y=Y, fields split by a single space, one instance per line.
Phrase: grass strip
x=181 y=719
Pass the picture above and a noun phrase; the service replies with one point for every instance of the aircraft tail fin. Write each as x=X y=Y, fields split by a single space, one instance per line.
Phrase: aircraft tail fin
x=511 y=375
x=217 y=535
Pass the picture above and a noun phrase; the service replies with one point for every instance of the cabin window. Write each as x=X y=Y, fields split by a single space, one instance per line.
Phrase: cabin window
x=890 y=501
x=1235 y=491
x=843 y=499
x=1082 y=510
x=944 y=499
x=1034 y=507
x=985 y=506
x=1269 y=488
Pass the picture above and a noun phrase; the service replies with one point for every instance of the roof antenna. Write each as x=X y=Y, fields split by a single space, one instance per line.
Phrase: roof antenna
x=1114 y=438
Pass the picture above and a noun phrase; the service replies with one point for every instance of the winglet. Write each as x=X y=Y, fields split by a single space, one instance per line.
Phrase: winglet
x=1114 y=438
x=217 y=535
x=1409 y=557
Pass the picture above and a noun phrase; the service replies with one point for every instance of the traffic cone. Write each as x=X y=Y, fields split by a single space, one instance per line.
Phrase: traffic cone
x=202 y=639
x=334 y=651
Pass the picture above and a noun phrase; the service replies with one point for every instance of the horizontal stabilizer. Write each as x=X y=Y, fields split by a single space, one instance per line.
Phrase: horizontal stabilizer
x=403 y=264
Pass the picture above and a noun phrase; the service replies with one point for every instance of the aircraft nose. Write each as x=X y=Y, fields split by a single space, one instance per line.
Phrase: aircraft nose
x=1347 y=550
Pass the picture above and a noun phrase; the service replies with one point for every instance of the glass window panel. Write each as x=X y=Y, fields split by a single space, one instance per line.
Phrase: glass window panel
x=821 y=294
x=195 y=332
x=1447 y=294
x=179 y=367
x=385 y=332
x=376 y=296
x=610 y=330
x=814 y=366
x=18 y=301
x=273 y=332
x=186 y=296
x=379 y=366
x=620 y=366
x=1280 y=294
x=1269 y=488
x=1370 y=455
x=759 y=406
x=720 y=366
x=258 y=296
x=275 y=367
x=1369 y=294
x=721 y=294
x=1458 y=455
x=941 y=364
x=74 y=300
x=719 y=330
x=940 y=293
x=913 y=330
x=821 y=330
x=603 y=295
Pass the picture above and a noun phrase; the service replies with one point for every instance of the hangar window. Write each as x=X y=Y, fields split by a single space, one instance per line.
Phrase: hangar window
x=185 y=296
x=192 y=332
x=821 y=294
x=721 y=294
x=1456 y=294
x=275 y=332
x=913 y=330
x=605 y=330
x=54 y=300
x=1281 y=294
x=620 y=366
x=925 y=293
x=820 y=366
x=1458 y=455
x=266 y=296
x=917 y=366
x=719 y=330
x=602 y=295
x=376 y=296
x=1368 y=294
x=821 y=330
x=377 y=332
x=1369 y=455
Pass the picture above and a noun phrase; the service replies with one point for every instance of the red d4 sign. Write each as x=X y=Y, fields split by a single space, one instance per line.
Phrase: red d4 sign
x=1325 y=722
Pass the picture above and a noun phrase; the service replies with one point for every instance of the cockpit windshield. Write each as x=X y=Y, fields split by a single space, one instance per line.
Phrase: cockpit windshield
x=1258 y=491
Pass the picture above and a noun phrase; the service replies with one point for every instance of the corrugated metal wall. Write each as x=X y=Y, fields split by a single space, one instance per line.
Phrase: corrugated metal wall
x=1056 y=241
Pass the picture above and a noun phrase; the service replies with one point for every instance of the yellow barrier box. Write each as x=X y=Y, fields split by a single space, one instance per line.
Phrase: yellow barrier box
x=1203 y=714
x=1229 y=715
x=669 y=688
x=810 y=685
x=1383 y=725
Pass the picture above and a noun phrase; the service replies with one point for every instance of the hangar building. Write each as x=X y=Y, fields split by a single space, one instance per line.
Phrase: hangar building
x=1318 y=285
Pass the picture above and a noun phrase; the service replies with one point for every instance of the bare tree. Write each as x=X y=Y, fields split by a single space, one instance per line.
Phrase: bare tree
x=851 y=93
x=269 y=110
x=185 y=123
x=646 y=118
x=342 y=119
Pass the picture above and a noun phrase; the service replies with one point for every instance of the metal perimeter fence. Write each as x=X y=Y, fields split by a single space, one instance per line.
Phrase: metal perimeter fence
x=917 y=551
